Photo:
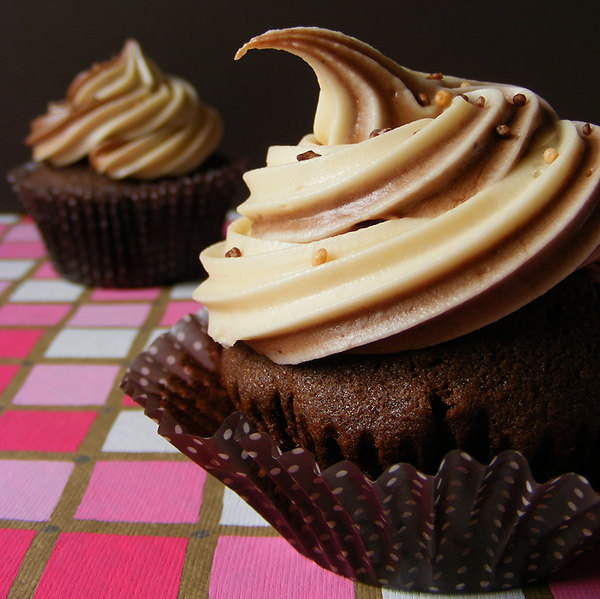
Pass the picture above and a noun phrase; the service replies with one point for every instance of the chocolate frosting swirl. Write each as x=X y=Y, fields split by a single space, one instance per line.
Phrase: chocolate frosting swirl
x=477 y=200
x=129 y=119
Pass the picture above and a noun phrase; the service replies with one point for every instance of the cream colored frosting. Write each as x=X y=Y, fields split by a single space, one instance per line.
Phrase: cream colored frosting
x=130 y=119
x=475 y=202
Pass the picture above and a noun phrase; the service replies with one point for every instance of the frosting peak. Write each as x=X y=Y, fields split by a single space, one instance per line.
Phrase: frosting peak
x=360 y=89
x=468 y=201
x=129 y=119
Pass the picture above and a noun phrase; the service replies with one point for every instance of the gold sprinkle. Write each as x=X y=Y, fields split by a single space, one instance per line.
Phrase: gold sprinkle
x=589 y=173
x=503 y=130
x=423 y=99
x=319 y=257
x=480 y=101
x=465 y=84
x=435 y=76
x=519 y=100
x=587 y=129
x=550 y=155
x=377 y=132
x=443 y=98
x=234 y=252
x=307 y=155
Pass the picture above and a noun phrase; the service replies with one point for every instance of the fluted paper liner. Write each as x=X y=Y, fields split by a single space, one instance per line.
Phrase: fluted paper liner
x=130 y=234
x=469 y=528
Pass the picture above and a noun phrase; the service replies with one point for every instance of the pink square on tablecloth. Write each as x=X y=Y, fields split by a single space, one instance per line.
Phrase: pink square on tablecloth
x=7 y=372
x=46 y=271
x=581 y=578
x=269 y=568
x=17 y=343
x=13 y=547
x=110 y=315
x=23 y=232
x=167 y=492
x=43 y=431
x=30 y=490
x=102 y=566
x=124 y=295
x=33 y=314
x=129 y=403
x=177 y=310
x=67 y=385
x=22 y=250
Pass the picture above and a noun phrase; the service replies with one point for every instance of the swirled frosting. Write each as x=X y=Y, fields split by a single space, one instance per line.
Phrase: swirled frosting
x=129 y=119
x=468 y=201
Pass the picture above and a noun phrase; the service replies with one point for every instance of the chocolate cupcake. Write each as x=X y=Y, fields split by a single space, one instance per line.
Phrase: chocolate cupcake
x=396 y=287
x=125 y=185
x=408 y=325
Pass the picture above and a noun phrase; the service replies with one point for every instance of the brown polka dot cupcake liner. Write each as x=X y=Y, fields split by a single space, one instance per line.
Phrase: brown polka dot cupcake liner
x=469 y=528
x=127 y=234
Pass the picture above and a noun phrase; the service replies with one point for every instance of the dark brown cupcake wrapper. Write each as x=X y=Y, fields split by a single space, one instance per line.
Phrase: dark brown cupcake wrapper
x=131 y=235
x=469 y=528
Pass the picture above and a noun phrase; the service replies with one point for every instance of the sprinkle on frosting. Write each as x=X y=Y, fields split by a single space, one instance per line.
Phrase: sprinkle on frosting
x=377 y=132
x=307 y=155
x=550 y=155
x=443 y=98
x=129 y=119
x=438 y=227
x=423 y=99
x=503 y=130
x=519 y=99
x=319 y=257
x=234 y=252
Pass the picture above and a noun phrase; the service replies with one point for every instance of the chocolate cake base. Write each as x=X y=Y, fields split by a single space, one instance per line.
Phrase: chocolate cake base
x=530 y=382
x=126 y=233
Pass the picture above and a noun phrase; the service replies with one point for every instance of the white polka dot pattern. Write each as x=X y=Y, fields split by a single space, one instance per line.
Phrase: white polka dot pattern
x=469 y=528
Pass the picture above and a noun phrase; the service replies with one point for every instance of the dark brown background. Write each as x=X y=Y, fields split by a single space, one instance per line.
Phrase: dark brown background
x=269 y=97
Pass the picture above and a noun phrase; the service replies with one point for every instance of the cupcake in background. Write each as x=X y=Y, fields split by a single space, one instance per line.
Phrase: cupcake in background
x=125 y=184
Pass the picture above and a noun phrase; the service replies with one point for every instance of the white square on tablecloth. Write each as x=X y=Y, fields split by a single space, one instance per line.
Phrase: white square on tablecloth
x=134 y=432
x=47 y=291
x=236 y=512
x=11 y=270
x=91 y=343
x=183 y=291
x=512 y=594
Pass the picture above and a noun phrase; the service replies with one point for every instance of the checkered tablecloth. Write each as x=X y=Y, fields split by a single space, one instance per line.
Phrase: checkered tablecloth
x=93 y=502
